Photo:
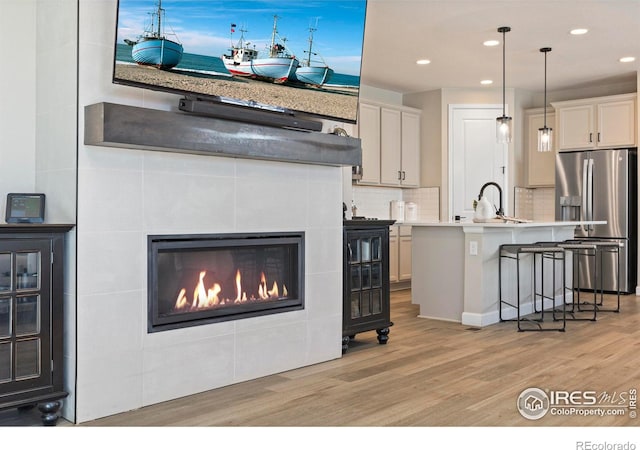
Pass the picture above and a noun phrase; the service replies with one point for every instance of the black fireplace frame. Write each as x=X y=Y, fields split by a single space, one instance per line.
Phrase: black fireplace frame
x=156 y=243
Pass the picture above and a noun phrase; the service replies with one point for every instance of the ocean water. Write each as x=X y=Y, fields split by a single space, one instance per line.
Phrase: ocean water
x=213 y=65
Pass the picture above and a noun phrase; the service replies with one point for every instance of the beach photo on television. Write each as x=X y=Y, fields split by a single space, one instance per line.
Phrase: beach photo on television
x=279 y=54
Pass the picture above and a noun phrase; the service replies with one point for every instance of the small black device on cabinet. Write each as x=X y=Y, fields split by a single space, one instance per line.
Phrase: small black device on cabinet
x=25 y=208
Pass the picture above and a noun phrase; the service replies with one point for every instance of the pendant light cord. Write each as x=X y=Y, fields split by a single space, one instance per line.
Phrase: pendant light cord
x=545 y=90
x=504 y=72
x=545 y=50
x=504 y=30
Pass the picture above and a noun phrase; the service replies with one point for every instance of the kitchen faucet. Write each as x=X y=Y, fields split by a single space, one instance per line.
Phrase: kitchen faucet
x=499 y=212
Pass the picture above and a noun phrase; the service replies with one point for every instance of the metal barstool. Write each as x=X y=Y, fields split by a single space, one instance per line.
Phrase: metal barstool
x=602 y=248
x=578 y=249
x=539 y=253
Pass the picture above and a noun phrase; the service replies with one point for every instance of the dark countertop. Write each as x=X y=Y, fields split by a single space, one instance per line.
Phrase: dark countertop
x=368 y=223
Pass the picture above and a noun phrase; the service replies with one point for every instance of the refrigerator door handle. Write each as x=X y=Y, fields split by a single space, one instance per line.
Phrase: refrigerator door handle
x=584 y=209
x=590 y=194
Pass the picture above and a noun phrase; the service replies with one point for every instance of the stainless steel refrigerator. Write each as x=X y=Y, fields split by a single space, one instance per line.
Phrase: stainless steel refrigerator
x=601 y=185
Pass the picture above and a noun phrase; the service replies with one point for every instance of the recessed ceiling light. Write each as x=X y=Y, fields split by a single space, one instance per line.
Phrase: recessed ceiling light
x=627 y=59
x=486 y=82
x=423 y=62
x=579 y=31
x=490 y=43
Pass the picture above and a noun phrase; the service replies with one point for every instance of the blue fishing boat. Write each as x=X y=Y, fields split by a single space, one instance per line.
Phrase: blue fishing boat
x=278 y=67
x=153 y=48
x=313 y=72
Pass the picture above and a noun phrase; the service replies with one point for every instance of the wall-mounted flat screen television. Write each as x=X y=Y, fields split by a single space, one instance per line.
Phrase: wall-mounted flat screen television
x=277 y=56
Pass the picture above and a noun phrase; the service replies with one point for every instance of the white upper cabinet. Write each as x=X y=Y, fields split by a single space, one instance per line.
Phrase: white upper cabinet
x=390 y=145
x=410 y=149
x=603 y=122
x=369 y=132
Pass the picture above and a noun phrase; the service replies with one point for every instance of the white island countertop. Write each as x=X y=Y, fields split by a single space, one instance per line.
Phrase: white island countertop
x=504 y=224
x=455 y=265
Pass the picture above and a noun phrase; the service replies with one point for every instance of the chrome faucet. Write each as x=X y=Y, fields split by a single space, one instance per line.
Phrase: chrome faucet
x=499 y=212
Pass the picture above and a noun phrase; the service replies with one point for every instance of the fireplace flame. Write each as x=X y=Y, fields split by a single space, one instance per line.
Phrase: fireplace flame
x=204 y=297
x=239 y=296
x=181 y=302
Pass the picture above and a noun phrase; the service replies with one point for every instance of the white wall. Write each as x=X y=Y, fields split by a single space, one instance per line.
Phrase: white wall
x=17 y=108
x=38 y=126
x=124 y=195
x=56 y=148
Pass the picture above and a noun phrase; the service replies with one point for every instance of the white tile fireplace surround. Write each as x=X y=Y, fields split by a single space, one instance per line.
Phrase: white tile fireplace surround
x=125 y=195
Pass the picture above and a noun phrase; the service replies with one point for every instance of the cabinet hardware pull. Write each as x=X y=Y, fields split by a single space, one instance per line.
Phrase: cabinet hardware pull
x=590 y=137
x=404 y=175
x=598 y=136
x=399 y=174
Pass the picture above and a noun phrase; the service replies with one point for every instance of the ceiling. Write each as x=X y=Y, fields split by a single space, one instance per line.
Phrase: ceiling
x=450 y=33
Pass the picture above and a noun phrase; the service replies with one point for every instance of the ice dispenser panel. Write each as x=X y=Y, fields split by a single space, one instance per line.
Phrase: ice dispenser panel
x=570 y=207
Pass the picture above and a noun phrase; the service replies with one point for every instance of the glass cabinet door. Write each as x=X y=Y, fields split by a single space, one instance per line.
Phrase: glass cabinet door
x=365 y=269
x=25 y=341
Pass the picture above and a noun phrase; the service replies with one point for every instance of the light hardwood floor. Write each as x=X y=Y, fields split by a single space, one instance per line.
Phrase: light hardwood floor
x=431 y=373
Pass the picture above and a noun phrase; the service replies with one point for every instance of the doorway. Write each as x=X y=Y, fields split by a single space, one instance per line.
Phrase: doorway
x=475 y=158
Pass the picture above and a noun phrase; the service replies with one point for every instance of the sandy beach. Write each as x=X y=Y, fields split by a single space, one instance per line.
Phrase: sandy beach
x=326 y=101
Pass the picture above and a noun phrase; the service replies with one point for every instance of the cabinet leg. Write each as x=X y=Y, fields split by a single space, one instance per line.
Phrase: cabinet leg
x=383 y=335
x=345 y=344
x=49 y=412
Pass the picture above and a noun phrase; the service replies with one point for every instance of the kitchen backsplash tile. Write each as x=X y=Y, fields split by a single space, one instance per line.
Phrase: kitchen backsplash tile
x=373 y=201
x=523 y=198
x=428 y=201
x=535 y=204
x=544 y=204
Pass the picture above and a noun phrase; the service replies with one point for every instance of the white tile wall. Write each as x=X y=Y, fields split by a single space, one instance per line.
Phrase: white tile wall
x=535 y=204
x=544 y=204
x=374 y=201
x=124 y=195
x=523 y=199
x=428 y=201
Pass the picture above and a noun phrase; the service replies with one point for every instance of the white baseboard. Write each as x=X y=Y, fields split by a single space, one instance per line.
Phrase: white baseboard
x=508 y=313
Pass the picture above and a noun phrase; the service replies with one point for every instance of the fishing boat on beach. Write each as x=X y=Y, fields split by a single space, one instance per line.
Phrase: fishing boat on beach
x=312 y=72
x=279 y=66
x=153 y=48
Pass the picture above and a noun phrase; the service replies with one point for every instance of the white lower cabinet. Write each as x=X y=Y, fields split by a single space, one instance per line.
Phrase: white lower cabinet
x=399 y=253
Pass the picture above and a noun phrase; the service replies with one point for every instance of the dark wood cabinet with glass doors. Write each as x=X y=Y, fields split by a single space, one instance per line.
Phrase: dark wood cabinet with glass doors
x=31 y=318
x=365 y=279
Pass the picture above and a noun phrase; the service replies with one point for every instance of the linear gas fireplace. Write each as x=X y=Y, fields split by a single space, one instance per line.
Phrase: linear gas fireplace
x=198 y=279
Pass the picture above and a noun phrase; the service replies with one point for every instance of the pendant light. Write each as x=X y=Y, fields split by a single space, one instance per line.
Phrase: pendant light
x=504 y=126
x=545 y=143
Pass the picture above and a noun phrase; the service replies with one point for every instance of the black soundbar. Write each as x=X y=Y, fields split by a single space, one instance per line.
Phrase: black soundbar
x=256 y=116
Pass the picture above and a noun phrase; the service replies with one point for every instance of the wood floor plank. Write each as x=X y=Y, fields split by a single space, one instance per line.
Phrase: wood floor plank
x=430 y=373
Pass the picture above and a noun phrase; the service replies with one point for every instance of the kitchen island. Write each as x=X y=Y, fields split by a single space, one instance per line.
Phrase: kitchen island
x=455 y=265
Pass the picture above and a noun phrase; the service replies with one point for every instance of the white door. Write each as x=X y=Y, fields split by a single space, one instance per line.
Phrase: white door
x=475 y=157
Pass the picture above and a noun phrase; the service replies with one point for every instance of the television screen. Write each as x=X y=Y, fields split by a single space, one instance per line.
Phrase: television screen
x=277 y=55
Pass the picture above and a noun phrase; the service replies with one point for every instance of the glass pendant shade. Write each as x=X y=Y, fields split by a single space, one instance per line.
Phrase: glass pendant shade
x=504 y=129
x=504 y=123
x=545 y=139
